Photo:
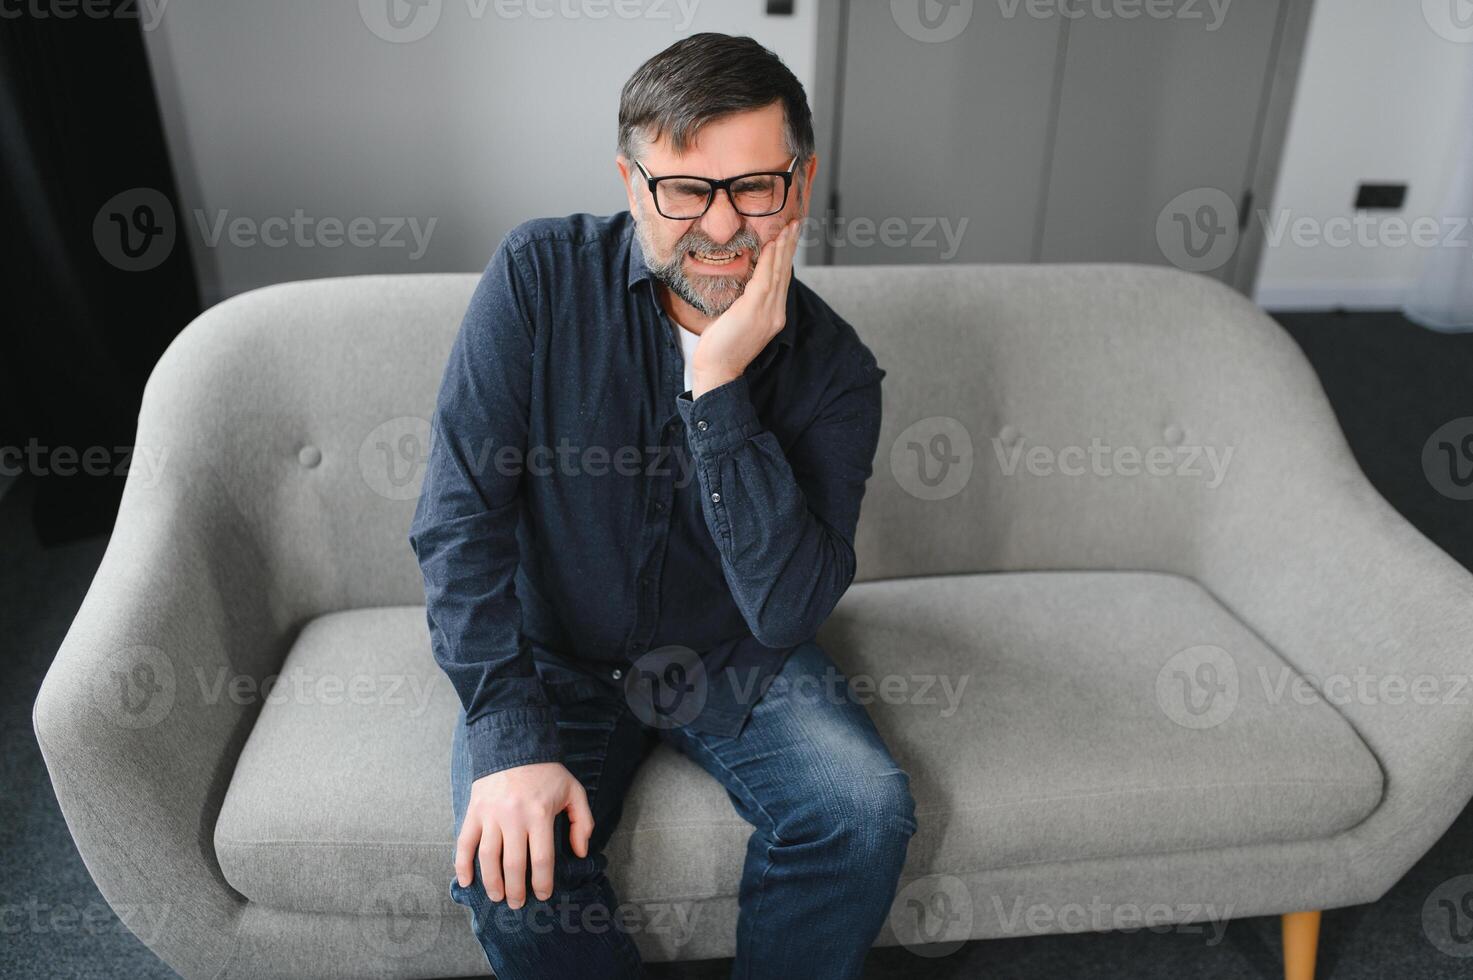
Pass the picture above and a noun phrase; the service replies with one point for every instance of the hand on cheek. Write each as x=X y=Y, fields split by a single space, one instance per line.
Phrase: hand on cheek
x=731 y=342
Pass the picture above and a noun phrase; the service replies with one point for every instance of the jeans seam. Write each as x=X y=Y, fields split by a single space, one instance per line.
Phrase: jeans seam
x=620 y=950
x=745 y=955
x=604 y=755
x=625 y=953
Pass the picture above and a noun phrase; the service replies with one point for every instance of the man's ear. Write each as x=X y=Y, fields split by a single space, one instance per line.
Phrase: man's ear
x=624 y=176
x=808 y=171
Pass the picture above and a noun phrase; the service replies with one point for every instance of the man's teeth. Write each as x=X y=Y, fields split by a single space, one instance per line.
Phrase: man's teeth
x=716 y=256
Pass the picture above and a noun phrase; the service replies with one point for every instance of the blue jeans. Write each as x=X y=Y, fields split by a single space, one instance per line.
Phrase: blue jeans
x=831 y=812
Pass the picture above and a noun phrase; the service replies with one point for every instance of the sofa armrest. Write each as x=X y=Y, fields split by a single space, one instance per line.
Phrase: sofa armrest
x=138 y=719
x=1351 y=595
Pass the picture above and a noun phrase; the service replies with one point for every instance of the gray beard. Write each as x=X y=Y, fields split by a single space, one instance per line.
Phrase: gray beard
x=711 y=295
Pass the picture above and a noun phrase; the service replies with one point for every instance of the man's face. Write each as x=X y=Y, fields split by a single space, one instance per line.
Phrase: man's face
x=707 y=261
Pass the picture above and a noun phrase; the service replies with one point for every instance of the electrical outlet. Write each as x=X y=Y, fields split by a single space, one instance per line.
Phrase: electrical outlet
x=1380 y=197
x=779 y=8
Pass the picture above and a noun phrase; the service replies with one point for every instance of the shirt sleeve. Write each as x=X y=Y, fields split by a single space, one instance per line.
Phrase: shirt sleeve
x=464 y=530
x=784 y=523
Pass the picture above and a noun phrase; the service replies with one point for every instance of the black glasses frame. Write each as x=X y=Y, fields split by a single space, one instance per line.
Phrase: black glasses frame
x=721 y=185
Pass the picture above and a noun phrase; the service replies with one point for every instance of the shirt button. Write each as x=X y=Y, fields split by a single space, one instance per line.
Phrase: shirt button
x=715 y=498
x=702 y=425
x=616 y=673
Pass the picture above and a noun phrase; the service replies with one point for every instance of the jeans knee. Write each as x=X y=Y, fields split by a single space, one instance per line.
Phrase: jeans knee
x=576 y=882
x=866 y=827
x=538 y=921
x=893 y=805
x=883 y=813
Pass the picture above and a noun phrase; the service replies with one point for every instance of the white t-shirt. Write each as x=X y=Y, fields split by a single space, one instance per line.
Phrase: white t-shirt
x=688 y=343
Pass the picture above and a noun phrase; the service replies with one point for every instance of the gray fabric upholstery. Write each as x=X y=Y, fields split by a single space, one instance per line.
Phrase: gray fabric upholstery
x=1023 y=705
x=268 y=539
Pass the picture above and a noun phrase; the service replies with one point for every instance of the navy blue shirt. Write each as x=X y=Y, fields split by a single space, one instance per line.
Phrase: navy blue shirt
x=579 y=509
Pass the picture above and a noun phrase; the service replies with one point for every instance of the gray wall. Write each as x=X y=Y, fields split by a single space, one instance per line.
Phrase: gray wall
x=1385 y=94
x=287 y=119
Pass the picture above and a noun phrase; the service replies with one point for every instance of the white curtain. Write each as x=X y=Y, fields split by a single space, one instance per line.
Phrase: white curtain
x=1442 y=297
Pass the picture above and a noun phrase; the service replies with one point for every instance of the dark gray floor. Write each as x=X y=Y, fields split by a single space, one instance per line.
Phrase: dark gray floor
x=1392 y=385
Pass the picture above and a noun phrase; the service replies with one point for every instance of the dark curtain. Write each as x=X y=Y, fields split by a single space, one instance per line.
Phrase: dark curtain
x=97 y=276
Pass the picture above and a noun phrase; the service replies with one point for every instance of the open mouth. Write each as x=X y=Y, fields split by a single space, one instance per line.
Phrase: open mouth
x=719 y=260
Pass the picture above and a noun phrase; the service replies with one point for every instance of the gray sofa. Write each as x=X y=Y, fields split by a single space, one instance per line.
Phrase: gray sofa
x=1099 y=666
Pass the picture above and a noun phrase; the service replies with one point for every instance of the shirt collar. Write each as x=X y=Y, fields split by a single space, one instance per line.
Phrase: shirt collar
x=639 y=272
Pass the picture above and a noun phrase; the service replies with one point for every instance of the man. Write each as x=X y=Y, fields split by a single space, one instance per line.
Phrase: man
x=553 y=574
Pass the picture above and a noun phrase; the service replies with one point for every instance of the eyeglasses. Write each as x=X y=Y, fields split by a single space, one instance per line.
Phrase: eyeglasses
x=756 y=195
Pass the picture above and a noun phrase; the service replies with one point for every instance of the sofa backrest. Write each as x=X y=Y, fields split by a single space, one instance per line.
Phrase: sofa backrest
x=298 y=414
x=1090 y=414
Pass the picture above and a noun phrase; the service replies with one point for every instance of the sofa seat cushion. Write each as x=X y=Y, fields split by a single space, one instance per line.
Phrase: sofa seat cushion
x=1043 y=717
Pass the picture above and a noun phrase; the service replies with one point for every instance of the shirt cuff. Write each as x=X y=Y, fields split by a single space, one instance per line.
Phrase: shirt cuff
x=721 y=419
x=512 y=737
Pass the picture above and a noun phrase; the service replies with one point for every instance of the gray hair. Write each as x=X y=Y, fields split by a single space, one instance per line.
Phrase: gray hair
x=700 y=79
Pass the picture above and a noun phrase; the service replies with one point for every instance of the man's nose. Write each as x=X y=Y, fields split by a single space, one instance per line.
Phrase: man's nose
x=721 y=222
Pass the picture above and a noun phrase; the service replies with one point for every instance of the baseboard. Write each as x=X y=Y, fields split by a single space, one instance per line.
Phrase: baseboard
x=1314 y=295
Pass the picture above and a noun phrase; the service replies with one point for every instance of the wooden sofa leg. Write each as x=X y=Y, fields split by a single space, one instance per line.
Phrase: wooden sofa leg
x=1301 y=937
